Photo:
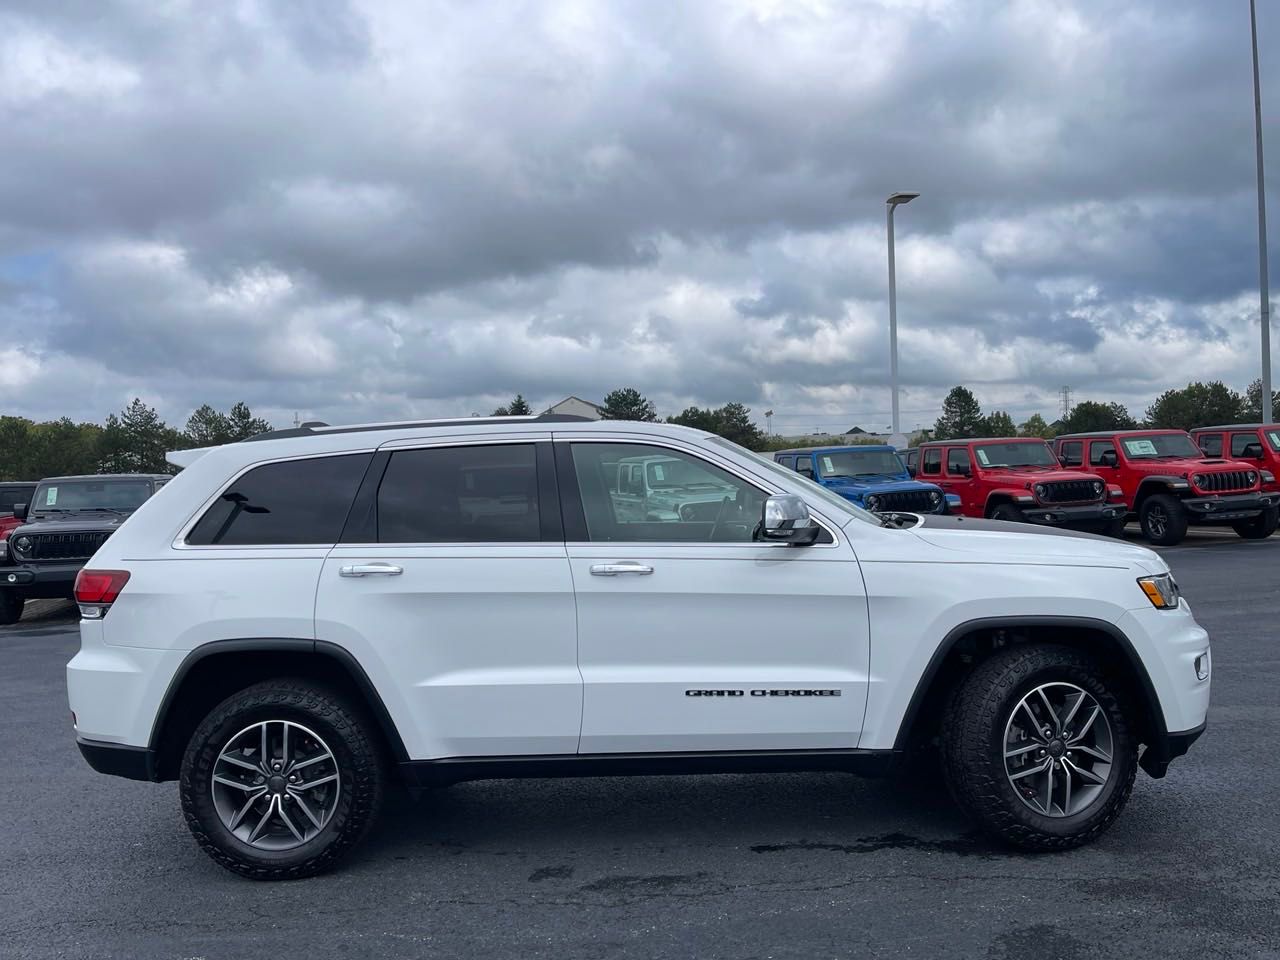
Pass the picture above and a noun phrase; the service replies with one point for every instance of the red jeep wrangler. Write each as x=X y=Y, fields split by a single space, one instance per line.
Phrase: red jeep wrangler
x=11 y=493
x=1258 y=443
x=1019 y=478
x=1169 y=483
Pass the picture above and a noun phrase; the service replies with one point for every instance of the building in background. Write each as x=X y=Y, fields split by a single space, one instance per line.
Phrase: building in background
x=577 y=407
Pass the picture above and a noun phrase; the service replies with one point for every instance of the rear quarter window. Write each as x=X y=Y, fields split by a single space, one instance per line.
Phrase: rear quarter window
x=292 y=502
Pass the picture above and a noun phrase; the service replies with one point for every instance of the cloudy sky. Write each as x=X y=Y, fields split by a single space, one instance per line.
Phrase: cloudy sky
x=363 y=209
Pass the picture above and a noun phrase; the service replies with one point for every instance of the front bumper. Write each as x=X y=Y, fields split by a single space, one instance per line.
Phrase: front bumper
x=42 y=580
x=1165 y=749
x=1218 y=509
x=1089 y=514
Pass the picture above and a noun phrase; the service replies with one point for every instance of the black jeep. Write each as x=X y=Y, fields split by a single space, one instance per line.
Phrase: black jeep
x=66 y=521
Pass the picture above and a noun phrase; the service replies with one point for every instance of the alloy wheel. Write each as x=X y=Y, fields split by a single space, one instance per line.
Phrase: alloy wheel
x=275 y=785
x=1058 y=749
x=1157 y=521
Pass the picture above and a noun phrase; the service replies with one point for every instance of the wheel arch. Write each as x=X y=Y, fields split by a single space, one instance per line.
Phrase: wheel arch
x=215 y=670
x=998 y=498
x=968 y=643
x=1153 y=485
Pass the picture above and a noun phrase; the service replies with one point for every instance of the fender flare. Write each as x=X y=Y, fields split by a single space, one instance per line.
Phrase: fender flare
x=296 y=645
x=1156 y=480
x=1005 y=494
x=1158 y=732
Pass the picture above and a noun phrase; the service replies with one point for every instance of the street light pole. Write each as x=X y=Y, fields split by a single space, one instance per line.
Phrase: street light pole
x=894 y=200
x=1264 y=291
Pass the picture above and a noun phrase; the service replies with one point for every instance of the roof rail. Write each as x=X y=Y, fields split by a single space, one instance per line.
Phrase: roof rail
x=318 y=428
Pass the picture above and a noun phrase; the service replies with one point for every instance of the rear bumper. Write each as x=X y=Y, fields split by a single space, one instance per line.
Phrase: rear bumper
x=1157 y=756
x=42 y=580
x=1089 y=514
x=119 y=760
x=1232 y=507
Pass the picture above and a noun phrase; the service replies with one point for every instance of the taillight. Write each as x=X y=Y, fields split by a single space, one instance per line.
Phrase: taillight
x=96 y=590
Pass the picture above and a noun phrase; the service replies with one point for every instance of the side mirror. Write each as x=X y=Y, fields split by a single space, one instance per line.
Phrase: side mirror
x=1108 y=459
x=1253 y=451
x=785 y=519
x=20 y=511
x=911 y=470
x=965 y=470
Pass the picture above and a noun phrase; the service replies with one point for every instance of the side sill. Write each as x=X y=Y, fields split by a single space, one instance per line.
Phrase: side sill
x=421 y=774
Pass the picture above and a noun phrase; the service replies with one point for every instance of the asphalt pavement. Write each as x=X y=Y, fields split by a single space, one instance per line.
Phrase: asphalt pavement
x=784 y=865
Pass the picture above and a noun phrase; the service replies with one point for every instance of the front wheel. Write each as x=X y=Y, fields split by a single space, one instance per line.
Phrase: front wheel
x=11 y=604
x=280 y=780
x=1038 y=748
x=1114 y=528
x=1259 y=527
x=1007 y=511
x=1163 y=520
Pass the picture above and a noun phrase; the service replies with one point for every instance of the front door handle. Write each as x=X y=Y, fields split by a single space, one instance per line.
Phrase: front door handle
x=370 y=569
x=624 y=566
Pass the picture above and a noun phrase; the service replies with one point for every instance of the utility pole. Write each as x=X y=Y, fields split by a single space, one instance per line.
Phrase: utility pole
x=768 y=422
x=1065 y=394
x=895 y=199
x=1264 y=290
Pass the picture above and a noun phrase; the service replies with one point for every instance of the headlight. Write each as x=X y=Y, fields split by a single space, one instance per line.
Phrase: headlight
x=935 y=496
x=1161 y=590
x=873 y=503
x=1253 y=478
x=1097 y=488
x=1198 y=479
x=1040 y=491
x=21 y=544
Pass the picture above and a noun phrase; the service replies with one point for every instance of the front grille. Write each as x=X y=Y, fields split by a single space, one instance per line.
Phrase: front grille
x=1224 y=480
x=1070 y=491
x=908 y=501
x=61 y=546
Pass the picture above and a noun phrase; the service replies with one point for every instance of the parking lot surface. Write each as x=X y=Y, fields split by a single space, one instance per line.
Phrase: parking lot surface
x=815 y=865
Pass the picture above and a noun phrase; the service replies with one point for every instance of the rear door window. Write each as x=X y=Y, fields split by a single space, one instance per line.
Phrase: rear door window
x=466 y=494
x=1210 y=444
x=278 y=504
x=931 y=461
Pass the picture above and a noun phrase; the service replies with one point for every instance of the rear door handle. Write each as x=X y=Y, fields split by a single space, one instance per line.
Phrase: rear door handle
x=370 y=570
x=624 y=566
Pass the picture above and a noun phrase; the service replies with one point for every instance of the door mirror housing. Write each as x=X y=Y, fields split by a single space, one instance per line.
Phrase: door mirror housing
x=20 y=511
x=911 y=470
x=964 y=470
x=1108 y=459
x=784 y=518
x=1253 y=451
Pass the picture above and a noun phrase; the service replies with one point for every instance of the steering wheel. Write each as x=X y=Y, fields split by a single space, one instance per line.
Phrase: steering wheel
x=715 y=524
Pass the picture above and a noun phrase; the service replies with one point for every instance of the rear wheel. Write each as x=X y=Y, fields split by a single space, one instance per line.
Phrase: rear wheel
x=1007 y=511
x=1163 y=519
x=11 y=604
x=280 y=780
x=1038 y=748
x=1259 y=527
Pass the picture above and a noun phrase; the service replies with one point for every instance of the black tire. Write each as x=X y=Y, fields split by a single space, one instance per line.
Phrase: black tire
x=356 y=757
x=11 y=604
x=1163 y=519
x=1114 y=528
x=974 y=744
x=1007 y=511
x=1259 y=527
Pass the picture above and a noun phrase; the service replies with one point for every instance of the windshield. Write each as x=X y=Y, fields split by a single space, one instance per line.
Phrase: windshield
x=78 y=495
x=665 y=474
x=1157 y=445
x=1032 y=453
x=832 y=503
x=859 y=463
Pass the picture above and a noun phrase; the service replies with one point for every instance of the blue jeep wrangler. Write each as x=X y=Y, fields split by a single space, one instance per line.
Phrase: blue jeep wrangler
x=871 y=476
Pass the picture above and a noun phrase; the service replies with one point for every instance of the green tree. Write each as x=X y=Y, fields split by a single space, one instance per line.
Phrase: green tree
x=518 y=407
x=243 y=424
x=1090 y=415
x=628 y=403
x=208 y=427
x=1000 y=424
x=15 y=449
x=732 y=421
x=1197 y=405
x=137 y=440
x=1036 y=427
x=961 y=416
x=1251 y=409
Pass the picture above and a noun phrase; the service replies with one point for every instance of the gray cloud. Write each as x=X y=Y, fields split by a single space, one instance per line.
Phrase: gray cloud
x=382 y=208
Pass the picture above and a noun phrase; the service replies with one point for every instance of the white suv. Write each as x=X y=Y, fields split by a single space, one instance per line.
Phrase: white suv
x=290 y=623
